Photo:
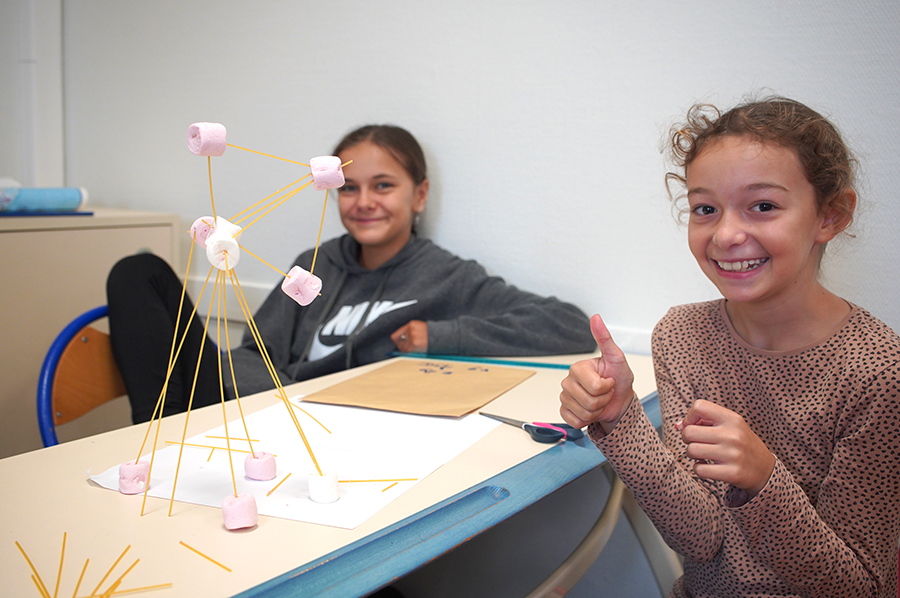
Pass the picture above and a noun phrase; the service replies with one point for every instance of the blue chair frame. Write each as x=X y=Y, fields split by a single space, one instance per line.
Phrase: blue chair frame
x=48 y=371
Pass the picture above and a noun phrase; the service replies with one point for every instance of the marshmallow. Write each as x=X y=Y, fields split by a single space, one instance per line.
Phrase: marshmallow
x=239 y=511
x=201 y=229
x=326 y=172
x=222 y=248
x=323 y=488
x=301 y=286
x=133 y=477
x=206 y=139
x=261 y=468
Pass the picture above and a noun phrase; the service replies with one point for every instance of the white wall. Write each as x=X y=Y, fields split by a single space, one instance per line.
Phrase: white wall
x=31 y=86
x=542 y=123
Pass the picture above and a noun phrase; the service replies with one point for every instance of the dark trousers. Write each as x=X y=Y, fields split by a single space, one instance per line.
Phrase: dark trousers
x=143 y=294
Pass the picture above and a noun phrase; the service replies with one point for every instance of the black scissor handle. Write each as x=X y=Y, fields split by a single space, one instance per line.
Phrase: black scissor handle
x=540 y=433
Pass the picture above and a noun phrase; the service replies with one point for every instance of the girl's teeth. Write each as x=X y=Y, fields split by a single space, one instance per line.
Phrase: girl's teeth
x=740 y=266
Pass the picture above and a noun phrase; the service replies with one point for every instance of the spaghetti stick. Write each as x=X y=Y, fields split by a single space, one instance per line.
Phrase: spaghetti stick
x=80 y=578
x=213 y=201
x=295 y=406
x=211 y=453
x=37 y=575
x=39 y=588
x=158 y=586
x=257 y=337
x=319 y=238
x=262 y=260
x=388 y=480
x=118 y=582
x=237 y=395
x=191 y=396
x=233 y=438
x=61 y=557
x=204 y=556
x=268 y=361
x=221 y=384
x=173 y=355
x=269 y=206
x=111 y=569
x=269 y=493
x=251 y=209
x=276 y=204
x=207 y=446
x=266 y=155
x=166 y=383
x=389 y=487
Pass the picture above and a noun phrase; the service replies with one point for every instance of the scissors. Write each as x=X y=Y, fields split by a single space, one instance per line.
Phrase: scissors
x=541 y=432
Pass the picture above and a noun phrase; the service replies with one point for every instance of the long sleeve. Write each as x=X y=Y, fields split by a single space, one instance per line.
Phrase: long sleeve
x=496 y=318
x=835 y=546
x=827 y=521
x=681 y=507
x=467 y=312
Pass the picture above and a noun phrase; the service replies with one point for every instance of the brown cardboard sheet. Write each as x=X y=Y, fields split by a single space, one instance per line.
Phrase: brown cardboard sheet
x=425 y=387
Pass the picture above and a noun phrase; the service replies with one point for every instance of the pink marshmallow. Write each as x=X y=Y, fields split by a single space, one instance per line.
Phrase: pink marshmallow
x=301 y=286
x=326 y=172
x=133 y=477
x=239 y=511
x=261 y=468
x=201 y=229
x=206 y=139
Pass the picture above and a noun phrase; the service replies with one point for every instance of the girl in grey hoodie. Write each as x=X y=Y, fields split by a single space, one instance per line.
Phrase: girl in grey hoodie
x=383 y=289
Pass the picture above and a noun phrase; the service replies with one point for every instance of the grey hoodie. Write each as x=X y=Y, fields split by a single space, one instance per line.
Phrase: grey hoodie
x=467 y=312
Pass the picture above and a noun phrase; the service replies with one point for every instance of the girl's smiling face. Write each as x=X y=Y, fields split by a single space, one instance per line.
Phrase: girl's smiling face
x=378 y=202
x=755 y=227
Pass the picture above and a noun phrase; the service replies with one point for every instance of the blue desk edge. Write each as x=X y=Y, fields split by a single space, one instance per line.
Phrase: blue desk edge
x=386 y=555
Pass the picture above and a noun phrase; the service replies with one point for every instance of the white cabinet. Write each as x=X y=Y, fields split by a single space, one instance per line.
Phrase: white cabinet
x=53 y=268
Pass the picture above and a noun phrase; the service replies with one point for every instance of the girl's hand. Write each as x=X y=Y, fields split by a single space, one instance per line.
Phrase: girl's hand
x=598 y=389
x=725 y=447
x=412 y=337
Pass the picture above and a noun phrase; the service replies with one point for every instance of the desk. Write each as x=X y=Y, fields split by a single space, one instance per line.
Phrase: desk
x=279 y=557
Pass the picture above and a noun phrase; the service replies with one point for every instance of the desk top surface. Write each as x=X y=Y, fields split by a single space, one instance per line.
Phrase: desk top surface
x=47 y=494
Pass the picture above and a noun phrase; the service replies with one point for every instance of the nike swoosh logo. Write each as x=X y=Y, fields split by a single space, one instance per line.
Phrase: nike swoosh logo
x=319 y=350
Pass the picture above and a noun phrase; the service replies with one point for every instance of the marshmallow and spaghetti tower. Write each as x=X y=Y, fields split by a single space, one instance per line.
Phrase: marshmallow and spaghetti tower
x=220 y=238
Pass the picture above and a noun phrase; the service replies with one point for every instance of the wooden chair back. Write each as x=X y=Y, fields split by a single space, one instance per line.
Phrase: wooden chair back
x=86 y=376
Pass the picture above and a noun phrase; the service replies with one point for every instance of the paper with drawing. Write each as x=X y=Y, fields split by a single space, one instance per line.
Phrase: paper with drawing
x=363 y=444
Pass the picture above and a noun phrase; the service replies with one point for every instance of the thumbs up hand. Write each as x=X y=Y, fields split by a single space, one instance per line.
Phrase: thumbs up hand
x=598 y=389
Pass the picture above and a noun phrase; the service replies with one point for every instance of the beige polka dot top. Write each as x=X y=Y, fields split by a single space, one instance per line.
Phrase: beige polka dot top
x=828 y=521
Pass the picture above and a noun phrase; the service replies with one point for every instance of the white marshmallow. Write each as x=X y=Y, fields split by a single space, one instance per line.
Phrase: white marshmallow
x=239 y=511
x=301 y=286
x=323 y=488
x=262 y=467
x=206 y=139
x=133 y=477
x=201 y=229
x=222 y=248
x=326 y=172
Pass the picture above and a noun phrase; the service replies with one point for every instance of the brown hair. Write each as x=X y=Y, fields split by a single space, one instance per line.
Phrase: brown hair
x=398 y=142
x=826 y=160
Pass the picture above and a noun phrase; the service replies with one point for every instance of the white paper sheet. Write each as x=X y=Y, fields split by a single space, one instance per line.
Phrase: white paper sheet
x=363 y=444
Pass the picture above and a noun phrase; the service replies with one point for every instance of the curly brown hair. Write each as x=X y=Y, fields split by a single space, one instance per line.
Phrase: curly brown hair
x=825 y=158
